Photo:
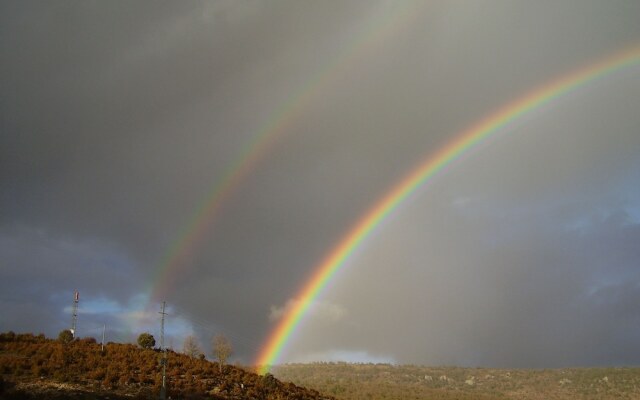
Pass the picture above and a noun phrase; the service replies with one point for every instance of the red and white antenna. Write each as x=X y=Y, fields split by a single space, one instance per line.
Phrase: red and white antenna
x=76 y=299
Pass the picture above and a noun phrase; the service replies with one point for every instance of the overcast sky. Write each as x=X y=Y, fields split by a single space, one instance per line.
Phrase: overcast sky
x=118 y=118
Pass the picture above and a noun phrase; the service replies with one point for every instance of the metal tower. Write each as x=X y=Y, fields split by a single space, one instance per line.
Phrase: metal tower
x=163 y=390
x=74 y=320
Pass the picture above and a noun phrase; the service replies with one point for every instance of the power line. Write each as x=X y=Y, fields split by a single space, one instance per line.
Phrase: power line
x=213 y=328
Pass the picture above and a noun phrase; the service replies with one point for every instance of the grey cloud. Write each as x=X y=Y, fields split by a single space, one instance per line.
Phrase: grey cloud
x=118 y=120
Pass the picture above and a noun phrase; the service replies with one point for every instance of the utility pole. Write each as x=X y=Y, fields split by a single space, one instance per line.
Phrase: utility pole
x=74 y=319
x=104 y=328
x=163 y=390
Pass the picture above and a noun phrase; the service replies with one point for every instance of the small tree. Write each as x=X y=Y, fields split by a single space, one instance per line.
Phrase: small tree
x=190 y=346
x=146 y=340
x=65 y=336
x=222 y=349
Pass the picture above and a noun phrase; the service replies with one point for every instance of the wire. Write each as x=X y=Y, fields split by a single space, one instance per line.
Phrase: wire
x=213 y=328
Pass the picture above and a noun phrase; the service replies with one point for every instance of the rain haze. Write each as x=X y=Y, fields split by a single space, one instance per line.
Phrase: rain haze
x=119 y=121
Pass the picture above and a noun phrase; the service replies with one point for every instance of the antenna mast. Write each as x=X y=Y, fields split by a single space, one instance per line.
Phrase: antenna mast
x=74 y=320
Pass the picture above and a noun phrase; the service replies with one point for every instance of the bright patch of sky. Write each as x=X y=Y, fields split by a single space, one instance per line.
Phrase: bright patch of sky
x=350 y=356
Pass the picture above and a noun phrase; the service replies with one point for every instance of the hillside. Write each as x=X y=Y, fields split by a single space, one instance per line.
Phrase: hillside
x=37 y=367
x=384 y=381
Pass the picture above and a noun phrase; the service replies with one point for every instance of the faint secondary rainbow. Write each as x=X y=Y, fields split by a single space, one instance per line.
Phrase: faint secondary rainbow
x=382 y=24
x=434 y=163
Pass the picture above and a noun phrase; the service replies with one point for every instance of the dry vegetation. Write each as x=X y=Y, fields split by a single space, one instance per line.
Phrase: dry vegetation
x=36 y=367
x=384 y=381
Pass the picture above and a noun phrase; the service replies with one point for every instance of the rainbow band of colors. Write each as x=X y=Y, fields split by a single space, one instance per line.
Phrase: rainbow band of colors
x=433 y=164
x=174 y=262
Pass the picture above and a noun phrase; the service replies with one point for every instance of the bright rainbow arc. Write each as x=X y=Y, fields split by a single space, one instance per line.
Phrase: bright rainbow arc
x=465 y=141
x=190 y=237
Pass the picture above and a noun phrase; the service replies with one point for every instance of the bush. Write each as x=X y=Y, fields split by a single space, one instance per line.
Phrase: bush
x=65 y=336
x=89 y=340
x=146 y=340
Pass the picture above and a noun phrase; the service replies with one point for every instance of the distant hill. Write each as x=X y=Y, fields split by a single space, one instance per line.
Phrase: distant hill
x=34 y=367
x=384 y=381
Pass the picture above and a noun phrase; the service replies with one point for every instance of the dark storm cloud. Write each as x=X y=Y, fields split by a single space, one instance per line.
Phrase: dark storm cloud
x=118 y=119
x=41 y=271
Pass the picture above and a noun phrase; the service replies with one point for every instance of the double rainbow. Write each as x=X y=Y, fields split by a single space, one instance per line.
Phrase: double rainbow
x=465 y=141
